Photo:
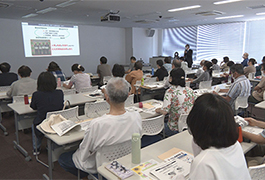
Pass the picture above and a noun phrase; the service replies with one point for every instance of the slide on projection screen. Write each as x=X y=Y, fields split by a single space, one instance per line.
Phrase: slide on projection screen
x=50 y=40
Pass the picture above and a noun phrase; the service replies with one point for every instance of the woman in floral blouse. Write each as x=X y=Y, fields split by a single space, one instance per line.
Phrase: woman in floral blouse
x=178 y=99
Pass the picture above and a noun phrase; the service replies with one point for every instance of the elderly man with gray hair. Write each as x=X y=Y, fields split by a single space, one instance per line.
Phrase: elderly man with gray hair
x=115 y=127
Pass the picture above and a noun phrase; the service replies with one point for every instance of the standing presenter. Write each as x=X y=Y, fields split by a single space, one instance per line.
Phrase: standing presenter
x=188 y=55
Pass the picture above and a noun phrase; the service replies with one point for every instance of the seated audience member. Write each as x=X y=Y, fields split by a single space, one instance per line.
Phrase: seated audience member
x=215 y=65
x=115 y=127
x=256 y=155
x=131 y=67
x=217 y=153
x=184 y=64
x=23 y=86
x=206 y=75
x=167 y=64
x=161 y=71
x=178 y=100
x=103 y=70
x=56 y=71
x=79 y=79
x=135 y=75
x=250 y=68
x=46 y=99
x=258 y=68
x=200 y=70
x=6 y=77
x=223 y=64
x=228 y=76
x=175 y=64
x=176 y=56
x=240 y=88
x=245 y=60
x=257 y=94
x=118 y=70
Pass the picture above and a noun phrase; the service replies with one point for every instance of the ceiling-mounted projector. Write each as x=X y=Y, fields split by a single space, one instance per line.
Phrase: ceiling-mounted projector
x=111 y=17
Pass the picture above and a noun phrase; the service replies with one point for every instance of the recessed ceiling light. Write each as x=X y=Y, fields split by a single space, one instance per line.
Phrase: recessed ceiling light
x=225 y=2
x=65 y=4
x=259 y=14
x=46 y=10
x=184 y=8
x=229 y=17
x=30 y=15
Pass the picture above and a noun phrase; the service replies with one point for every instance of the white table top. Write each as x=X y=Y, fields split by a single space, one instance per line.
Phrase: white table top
x=260 y=105
x=3 y=95
x=75 y=135
x=74 y=99
x=194 y=71
x=181 y=140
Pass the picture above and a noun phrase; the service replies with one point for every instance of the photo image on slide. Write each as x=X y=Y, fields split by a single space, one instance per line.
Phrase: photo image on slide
x=40 y=47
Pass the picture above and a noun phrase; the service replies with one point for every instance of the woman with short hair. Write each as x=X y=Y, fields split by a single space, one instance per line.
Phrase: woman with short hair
x=178 y=100
x=161 y=71
x=218 y=154
x=46 y=99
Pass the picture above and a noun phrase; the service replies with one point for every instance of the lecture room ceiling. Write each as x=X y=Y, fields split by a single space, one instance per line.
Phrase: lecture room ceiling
x=133 y=13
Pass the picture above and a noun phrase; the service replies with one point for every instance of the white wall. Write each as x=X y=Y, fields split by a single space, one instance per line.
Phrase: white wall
x=94 y=41
x=143 y=47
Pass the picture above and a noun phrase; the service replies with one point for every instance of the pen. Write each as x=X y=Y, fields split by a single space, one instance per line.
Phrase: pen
x=182 y=156
x=165 y=166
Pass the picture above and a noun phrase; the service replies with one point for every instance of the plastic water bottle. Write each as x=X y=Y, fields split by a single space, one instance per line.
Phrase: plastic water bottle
x=26 y=99
x=136 y=148
x=229 y=79
x=58 y=82
x=153 y=71
x=142 y=81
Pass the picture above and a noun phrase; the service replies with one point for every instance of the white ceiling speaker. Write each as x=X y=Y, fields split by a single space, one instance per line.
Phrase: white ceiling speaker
x=150 y=32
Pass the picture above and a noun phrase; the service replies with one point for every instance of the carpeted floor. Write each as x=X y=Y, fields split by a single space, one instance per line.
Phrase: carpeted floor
x=13 y=164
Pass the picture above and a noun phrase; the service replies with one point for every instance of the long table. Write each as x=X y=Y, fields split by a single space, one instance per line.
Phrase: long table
x=181 y=140
x=72 y=138
x=21 y=109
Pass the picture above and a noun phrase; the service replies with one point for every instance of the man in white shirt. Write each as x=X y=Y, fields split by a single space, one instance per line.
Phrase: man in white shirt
x=113 y=128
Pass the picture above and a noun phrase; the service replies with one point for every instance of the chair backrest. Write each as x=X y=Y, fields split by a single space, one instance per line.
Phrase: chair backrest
x=67 y=113
x=187 y=84
x=4 y=88
x=153 y=126
x=69 y=91
x=88 y=89
x=241 y=102
x=251 y=76
x=130 y=100
x=257 y=172
x=96 y=109
x=106 y=79
x=182 y=122
x=205 y=85
x=112 y=152
x=18 y=99
x=216 y=72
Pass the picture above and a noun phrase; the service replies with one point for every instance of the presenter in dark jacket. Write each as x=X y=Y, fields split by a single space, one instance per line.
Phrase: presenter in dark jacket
x=188 y=55
x=46 y=99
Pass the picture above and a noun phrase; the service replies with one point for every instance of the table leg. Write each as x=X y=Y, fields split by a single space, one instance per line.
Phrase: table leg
x=50 y=163
x=16 y=142
x=2 y=127
x=49 y=142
